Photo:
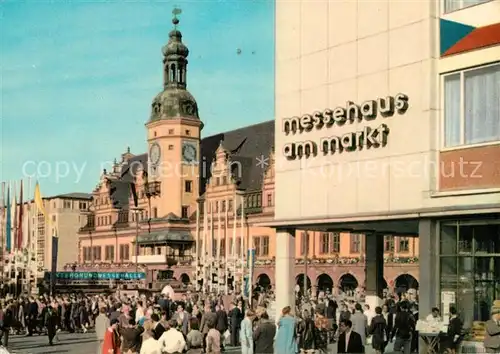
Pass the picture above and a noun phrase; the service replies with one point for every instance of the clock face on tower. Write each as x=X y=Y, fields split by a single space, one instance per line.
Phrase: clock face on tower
x=189 y=152
x=154 y=154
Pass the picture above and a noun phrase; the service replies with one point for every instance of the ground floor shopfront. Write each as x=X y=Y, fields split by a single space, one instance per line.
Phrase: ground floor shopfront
x=459 y=259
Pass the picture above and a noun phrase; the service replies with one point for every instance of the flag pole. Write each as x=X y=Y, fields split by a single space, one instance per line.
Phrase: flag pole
x=219 y=241
x=233 y=246
x=2 y=236
x=204 y=245
x=226 y=249
x=29 y=269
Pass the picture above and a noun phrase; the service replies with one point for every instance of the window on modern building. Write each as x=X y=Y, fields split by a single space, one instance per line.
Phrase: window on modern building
x=170 y=147
x=124 y=252
x=404 y=244
x=325 y=243
x=471 y=109
x=256 y=245
x=473 y=273
x=304 y=243
x=188 y=186
x=185 y=212
x=269 y=200
x=454 y=5
x=335 y=243
x=355 y=243
x=389 y=243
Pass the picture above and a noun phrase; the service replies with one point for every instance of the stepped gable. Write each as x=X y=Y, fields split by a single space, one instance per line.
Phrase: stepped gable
x=245 y=145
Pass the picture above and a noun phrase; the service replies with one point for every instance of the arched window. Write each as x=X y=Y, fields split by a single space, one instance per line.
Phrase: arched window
x=173 y=73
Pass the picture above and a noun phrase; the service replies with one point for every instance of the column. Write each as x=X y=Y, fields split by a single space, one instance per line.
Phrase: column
x=285 y=269
x=374 y=269
x=428 y=265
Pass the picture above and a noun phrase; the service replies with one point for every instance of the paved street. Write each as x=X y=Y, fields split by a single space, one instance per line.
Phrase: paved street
x=68 y=343
x=84 y=344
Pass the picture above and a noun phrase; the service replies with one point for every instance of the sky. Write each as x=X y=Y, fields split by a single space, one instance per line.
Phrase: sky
x=78 y=79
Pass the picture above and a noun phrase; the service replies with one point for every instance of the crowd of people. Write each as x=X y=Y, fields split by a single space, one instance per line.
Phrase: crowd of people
x=199 y=323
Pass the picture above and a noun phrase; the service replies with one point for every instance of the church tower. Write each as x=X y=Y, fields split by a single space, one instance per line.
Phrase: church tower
x=173 y=133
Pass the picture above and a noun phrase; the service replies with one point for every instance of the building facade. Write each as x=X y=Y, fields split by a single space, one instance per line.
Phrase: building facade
x=201 y=203
x=388 y=122
x=62 y=219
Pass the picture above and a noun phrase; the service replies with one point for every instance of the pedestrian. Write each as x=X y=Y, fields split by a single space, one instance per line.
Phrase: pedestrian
x=102 y=323
x=246 y=333
x=111 y=343
x=51 y=323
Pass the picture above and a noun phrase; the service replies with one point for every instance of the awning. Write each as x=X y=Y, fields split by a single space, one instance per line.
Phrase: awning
x=166 y=236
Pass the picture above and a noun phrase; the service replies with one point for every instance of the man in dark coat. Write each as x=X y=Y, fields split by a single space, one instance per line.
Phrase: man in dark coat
x=221 y=324
x=349 y=341
x=237 y=316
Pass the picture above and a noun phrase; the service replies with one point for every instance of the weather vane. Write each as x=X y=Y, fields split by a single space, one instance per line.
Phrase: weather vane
x=176 y=11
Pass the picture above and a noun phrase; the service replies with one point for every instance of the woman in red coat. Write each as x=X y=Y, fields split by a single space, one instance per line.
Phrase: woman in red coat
x=111 y=344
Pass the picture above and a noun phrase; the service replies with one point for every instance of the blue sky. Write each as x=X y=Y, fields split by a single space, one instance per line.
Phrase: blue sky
x=78 y=78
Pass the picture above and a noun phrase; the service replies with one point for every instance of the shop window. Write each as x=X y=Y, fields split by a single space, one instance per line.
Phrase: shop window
x=471 y=109
x=454 y=5
x=404 y=245
x=470 y=269
x=389 y=243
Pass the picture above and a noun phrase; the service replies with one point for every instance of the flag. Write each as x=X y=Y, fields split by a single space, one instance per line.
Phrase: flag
x=8 y=221
x=39 y=200
x=20 y=221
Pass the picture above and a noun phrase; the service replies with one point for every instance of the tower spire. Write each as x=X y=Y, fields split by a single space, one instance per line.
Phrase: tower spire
x=175 y=57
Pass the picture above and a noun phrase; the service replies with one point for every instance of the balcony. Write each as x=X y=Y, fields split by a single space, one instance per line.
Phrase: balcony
x=170 y=260
x=253 y=203
x=152 y=259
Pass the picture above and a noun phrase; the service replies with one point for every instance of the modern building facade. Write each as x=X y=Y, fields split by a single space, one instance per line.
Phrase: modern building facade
x=388 y=122
x=63 y=219
x=200 y=202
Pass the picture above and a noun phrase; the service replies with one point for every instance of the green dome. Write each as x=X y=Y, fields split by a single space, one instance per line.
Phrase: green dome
x=174 y=102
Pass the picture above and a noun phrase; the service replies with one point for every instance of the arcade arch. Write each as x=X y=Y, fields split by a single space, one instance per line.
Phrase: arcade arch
x=324 y=282
x=348 y=282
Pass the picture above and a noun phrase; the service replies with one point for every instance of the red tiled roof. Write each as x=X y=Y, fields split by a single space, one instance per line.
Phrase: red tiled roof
x=479 y=38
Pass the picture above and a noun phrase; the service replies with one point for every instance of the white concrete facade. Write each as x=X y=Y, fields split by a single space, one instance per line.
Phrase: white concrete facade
x=330 y=52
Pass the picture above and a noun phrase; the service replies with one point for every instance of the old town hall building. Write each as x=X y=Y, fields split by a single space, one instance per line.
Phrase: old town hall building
x=197 y=204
